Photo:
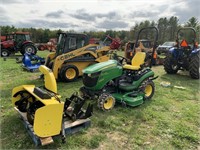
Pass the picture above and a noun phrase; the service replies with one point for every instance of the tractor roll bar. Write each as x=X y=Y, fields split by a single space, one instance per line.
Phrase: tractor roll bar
x=154 y=43
x=186 y=28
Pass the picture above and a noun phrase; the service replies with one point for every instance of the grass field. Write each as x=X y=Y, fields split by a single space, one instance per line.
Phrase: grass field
x=170 y=120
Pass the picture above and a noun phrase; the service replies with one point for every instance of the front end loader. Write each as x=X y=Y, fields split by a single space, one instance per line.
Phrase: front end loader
x=43 y=107
x=74 y=53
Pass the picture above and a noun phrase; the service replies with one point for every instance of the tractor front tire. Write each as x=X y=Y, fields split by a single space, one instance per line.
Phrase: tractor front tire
x=194 y=66
x=5 y=53
x=69 y=73
x=170 y=64
x=148 y=88
x=106 y=102
x=29 y=48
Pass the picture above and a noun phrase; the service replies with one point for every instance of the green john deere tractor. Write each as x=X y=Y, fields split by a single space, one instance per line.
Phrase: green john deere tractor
x=113 y=81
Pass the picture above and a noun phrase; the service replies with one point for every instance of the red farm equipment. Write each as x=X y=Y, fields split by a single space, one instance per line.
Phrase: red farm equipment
x=18 y=41
x=51 y=45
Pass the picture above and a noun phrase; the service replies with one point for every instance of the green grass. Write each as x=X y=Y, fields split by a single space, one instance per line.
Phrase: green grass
x=170 y=120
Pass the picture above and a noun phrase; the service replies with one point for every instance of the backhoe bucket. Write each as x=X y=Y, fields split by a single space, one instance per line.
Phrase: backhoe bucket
x=48 y=120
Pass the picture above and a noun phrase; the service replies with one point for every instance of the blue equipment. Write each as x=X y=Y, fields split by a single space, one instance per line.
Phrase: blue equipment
x=185 y=55
x=32 y=62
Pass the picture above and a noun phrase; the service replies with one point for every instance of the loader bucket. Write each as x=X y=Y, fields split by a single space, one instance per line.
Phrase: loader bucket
x=48 y=120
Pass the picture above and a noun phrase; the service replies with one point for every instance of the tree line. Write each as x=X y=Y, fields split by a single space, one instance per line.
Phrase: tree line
x=167 y=31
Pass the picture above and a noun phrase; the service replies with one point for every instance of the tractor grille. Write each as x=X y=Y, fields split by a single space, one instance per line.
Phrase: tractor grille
x=90 y=80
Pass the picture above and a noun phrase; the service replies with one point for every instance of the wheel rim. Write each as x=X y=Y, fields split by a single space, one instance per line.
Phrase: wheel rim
x=4 y=53
x=148 y=90
x=29 y=49
x=174 y=67
x=70 y=73
x=108 y=103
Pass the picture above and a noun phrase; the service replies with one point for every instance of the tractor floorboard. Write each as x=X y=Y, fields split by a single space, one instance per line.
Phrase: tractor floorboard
x=70 y=127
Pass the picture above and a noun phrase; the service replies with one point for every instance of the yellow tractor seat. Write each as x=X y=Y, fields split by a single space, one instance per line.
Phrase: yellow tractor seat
x=137 y=61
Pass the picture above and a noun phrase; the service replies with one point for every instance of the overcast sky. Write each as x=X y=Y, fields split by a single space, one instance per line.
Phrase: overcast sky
x=80 y=15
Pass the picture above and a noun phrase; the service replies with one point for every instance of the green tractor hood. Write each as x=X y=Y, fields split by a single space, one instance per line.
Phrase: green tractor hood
x=98 y=75
x=100 y=66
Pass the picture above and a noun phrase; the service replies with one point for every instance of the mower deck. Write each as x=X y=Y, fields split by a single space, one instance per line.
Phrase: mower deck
x=31 y=68
x=70 y=127
x=125 y=99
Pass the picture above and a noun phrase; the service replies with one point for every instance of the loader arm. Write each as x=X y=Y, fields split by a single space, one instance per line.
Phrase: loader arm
x=60 y=60
x=49 y=58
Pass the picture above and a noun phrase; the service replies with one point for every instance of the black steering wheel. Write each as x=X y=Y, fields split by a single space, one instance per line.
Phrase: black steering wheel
x=121 y=60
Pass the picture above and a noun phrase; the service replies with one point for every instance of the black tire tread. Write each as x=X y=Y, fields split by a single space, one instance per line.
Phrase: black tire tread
x=22 y=51
x=167 y=65
x=194 y=66
x=101 y=100
x=63 y=70
x=144 y=84
x=2 y=50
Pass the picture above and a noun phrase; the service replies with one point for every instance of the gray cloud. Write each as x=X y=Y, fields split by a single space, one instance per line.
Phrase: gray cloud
x=110 y=15
x=83 y=15
x=6 y=2
x=85 y=19
x=108 y=24
x=5 y=23
x=56 y=14
x=185 y=14
x=10 y=1
x=2 y=10
x=4 y=18
x=39 y=23
x=143 y=14
x=33 y=11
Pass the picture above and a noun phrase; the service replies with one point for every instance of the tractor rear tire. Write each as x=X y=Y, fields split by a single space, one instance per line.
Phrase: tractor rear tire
x=169 y=64
x=69 y=73
x=194 y=66
x=148 y=88
x=29 y=48
x=5 y=53
x=106 y=102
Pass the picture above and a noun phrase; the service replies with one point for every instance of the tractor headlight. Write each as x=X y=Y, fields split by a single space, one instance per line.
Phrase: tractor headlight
x=94 y=75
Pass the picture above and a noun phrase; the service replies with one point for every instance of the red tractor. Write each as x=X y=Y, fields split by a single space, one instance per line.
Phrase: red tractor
x=18 y=41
